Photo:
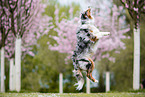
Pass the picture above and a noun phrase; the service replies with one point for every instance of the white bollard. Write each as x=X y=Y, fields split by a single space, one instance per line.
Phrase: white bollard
x=88 y=85
x=136 y=66
x=18 y=63
x=12 y=74
x=107 y=81
x=2 y=70
x=60 y=83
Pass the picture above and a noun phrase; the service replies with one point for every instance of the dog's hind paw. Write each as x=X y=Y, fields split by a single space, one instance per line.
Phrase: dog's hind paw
x=96 y=81
x=79 y=84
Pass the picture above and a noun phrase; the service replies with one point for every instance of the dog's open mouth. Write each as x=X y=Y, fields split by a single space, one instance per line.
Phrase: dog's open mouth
x=89 y=13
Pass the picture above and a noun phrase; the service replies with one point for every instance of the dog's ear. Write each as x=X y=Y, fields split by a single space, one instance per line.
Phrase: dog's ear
x=83 y=16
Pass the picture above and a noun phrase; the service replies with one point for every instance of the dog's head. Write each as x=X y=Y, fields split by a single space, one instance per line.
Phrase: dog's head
x=86 y=16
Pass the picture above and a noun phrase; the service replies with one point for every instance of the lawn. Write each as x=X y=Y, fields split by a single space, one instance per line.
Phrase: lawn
x=72 y=95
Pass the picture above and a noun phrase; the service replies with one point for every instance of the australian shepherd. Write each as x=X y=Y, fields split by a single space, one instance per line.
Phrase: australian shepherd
x=87 y=41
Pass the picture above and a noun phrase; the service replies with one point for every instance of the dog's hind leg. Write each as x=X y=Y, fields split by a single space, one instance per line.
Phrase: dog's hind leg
x=90 y=69
x=80 y=79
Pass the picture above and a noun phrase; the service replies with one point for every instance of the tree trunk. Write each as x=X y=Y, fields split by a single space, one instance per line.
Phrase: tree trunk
x=107 y=81
x=14 y=77
x=60 y=83
x=2 y=70
x=18 y=63
x=136 y=67
x=88 y=85
x=12 y=74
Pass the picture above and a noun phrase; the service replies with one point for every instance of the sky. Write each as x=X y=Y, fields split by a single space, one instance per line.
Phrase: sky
x=81 y=2
x=84 y=4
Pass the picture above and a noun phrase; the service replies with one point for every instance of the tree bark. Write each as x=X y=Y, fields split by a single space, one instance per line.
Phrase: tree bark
x=2 y=70
x=136 y=67
x=18 y=63
x=88 y=85
x=107 y=81
x=60 y=83
x=12 y=74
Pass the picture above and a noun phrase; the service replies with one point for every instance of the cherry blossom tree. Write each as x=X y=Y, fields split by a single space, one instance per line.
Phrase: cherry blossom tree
x=135 y=9
x=27 y=23
x=28 y=14
x=4 y=31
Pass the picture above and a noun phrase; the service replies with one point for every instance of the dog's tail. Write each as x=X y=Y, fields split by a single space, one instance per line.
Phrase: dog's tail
x=80 y=79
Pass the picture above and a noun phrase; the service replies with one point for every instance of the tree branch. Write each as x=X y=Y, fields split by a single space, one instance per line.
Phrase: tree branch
x=143 y=12
x=27 y=18
x=141 y=4
x=135 y=3
x=130 y=5
x=122 y=3
x=7 y=34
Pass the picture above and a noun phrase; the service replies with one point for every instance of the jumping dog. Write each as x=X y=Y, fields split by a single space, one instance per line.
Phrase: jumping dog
x=87 y=41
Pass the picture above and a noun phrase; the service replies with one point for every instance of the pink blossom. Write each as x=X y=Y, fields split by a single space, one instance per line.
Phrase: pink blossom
x=105 y=56
x=10 y=1
x=135 y=9
x=123 y=0
x=112 y=59
x=56 y=11
x=117 y=52
x=31 y=53
x=12 y=6
x=120 y=7
x=126 y=5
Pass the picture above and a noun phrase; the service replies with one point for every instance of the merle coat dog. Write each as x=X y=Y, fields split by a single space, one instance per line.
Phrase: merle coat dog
x=87 y=40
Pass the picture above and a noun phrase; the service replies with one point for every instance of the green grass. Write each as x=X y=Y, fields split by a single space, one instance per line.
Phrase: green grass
x=72 y=95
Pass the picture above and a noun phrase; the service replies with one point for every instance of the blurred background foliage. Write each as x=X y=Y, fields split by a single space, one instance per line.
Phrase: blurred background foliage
x=41 y=72
x=122 y=68
x=45 y=66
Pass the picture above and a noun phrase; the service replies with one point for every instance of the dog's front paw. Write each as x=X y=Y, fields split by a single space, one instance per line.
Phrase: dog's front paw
x=106 y=33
